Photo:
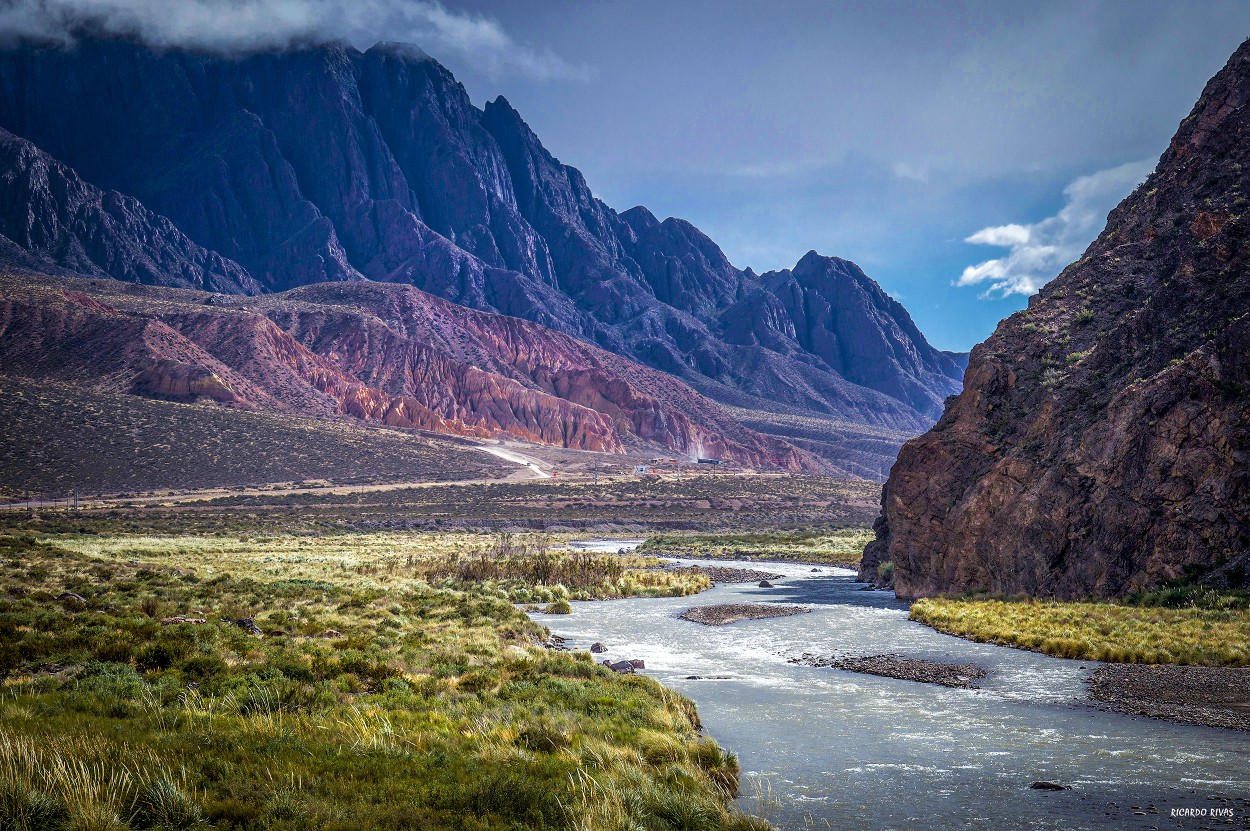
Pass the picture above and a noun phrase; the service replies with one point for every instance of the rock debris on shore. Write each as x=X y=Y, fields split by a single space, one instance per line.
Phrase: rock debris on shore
x=734 y=612
x=1209 y=696
x=726 y=574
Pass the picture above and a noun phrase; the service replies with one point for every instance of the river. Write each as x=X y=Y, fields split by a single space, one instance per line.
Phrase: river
x=827 y=749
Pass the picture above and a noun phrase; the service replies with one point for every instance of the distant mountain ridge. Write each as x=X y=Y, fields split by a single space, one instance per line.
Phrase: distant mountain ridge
x=334 y=165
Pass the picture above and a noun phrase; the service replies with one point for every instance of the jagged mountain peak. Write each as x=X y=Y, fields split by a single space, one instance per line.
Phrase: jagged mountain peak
x=403 y=50
x=332 y=164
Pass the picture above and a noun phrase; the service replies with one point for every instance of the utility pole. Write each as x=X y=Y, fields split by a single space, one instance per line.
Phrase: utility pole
x=679 y=473
x=596 y=471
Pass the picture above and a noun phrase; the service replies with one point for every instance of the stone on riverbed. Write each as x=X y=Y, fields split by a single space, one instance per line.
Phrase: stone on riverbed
x=1210 y=696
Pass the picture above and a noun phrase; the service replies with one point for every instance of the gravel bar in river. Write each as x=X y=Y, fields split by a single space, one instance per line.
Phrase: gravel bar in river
x=1210 y=696
x=734 y=612
x=896 y=666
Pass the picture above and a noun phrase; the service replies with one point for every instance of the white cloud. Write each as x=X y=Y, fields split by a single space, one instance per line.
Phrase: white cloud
x=1004 y=236
x=780 y=169
x=232 y=26
x=911 y=172
x=1038 y=252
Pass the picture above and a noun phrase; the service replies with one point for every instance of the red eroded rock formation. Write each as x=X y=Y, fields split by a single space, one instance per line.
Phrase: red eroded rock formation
x=388 y=354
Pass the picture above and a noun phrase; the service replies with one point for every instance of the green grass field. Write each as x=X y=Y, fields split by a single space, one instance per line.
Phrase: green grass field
x=1217 y=634
x=844 y=547
x=390 y=690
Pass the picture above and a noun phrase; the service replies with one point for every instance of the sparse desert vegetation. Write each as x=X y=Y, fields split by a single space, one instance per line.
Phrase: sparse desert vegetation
x=56 y=439
x=1215 y=634
x=621 y=505
x=859 y=449
x=839 y=547
x=137 y=695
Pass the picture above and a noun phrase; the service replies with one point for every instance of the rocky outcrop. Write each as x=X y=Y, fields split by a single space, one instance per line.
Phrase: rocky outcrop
x=866 y=336
x=177 y=381
x=1102 y=441
x=329 y=164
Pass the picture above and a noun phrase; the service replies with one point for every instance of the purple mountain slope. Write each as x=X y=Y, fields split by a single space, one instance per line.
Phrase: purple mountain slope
x=50 y=219
x=331 y=164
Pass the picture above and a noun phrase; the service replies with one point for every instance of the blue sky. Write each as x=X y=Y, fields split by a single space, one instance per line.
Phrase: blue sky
x=884 y=133
x=960 y=152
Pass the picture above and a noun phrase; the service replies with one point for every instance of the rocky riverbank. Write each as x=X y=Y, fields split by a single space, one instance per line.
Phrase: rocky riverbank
x=895 y=666
x=1208 y=696
x=734 y=612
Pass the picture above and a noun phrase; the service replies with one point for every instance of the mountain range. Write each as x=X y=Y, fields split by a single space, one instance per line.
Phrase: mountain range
x=270 y=175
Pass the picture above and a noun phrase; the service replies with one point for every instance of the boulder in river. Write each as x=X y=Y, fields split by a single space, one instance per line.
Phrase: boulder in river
x=764 y=584
x=1043 y=785
x=597 y=648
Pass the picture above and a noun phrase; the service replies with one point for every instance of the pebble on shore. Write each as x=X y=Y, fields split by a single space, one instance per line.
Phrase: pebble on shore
x=1209 y=696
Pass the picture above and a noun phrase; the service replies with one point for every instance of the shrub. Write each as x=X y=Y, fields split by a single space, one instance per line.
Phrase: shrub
x=24 y=809
x=543 y=735
x=885 y=573
x=160 y=655
x=163 y=805
x=560 y=607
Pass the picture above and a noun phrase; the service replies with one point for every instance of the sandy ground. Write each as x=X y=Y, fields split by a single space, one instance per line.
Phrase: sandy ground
x=529 y=462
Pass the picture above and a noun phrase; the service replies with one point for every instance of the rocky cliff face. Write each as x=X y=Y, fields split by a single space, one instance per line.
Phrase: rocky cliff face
x=386 y=354
x=1102 y=441
x=50 y=219
x=334 y=165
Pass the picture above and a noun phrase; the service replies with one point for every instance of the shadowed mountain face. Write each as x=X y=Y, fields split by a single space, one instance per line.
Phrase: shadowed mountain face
x=1102 y=441
x=51 y=220
x=333 y=165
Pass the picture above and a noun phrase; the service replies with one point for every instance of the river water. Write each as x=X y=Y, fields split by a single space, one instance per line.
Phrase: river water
x=827 y=749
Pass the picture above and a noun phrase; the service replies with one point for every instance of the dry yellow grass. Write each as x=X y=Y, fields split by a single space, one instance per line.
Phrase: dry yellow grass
x=394 y=561
x=1097 y=631
x=842 y=547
